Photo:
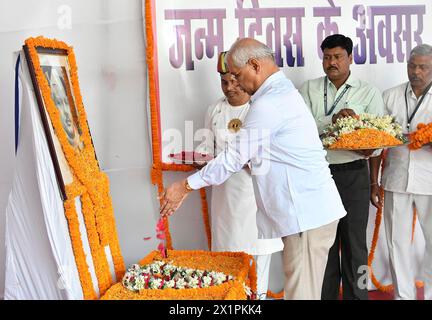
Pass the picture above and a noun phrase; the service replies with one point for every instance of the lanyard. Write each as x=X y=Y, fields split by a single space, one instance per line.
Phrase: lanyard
x=327 y=113
x=410 y=118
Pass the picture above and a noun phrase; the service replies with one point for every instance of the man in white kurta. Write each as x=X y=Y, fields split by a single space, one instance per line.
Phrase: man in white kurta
x=233 y=206
x=407 y=177
x=296 y=196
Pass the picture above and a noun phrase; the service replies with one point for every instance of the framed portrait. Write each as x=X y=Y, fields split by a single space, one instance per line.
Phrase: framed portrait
x=54 y=74
x=51 y=73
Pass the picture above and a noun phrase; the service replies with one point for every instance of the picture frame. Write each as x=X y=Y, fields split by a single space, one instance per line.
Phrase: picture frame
x=83 y=186
x=52 y=69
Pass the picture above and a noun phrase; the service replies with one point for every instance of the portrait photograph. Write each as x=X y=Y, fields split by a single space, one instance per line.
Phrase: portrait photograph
x=63 y=99
x=55 y=67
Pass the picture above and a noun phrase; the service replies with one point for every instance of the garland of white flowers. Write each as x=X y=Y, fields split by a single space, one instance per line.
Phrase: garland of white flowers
x=163 y=275
x=347 y=125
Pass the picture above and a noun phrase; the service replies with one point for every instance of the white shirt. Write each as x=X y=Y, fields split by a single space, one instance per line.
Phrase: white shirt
x=360 y=97
x=233 y=205
x=293 y=186
x=216 y=122
x=408 y=171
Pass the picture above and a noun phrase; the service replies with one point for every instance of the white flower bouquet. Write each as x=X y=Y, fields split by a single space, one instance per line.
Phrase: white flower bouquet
x=162 y=275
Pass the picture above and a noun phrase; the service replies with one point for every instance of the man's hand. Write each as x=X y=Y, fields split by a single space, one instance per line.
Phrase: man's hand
x=172 y=198
x=343 y=113
x=375 y=195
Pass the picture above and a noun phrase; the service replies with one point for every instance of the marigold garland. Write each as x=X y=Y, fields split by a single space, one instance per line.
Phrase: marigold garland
x=73 y=190
x=422 y=136
x=88 y=181
x=231 y=290
x=273 y=295
x=414 y=223
x=252 y=275
x=100 y=262
x=156 y=171
x=158 y=167
x=237 y=264
x=365 y=139
x=204 y=209
x=378 y=219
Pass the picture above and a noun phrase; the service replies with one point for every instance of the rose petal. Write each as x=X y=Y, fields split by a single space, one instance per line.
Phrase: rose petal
x=160 y=226
x=161 y=248
x=161 y=236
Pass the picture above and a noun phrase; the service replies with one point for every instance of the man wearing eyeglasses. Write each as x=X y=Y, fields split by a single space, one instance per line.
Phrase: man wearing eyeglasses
x=296 y=197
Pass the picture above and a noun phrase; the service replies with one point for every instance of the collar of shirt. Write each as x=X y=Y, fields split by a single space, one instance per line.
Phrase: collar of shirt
x=412 y=94
x=351 y=81
x=337 y=157
x=267 y=83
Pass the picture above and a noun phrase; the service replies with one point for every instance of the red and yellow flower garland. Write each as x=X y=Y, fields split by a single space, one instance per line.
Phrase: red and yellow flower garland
x=88 y=182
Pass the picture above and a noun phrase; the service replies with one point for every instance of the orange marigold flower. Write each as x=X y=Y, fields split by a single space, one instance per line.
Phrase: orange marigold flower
x=365 y=139
x=422 y=136
x=236 y=264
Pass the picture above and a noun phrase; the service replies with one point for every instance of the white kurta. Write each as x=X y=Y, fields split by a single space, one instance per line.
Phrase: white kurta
x=294 y=189
x=407 y=180
x=233 y=205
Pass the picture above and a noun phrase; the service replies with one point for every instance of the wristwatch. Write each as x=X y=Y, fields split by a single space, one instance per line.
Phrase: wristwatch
x=187 y=186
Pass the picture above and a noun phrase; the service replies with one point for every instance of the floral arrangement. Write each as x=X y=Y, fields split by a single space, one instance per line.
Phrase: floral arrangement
x=422 y=136
x=232 y=277
x=364 y=131
x=89 y=183
x=161 y=275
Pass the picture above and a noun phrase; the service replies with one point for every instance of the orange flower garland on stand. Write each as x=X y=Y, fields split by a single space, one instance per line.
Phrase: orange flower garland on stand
x=89 y=183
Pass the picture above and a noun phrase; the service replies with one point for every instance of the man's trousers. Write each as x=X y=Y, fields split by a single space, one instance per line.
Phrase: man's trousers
x=398 y=218
x=348 y=257
x=304 y=261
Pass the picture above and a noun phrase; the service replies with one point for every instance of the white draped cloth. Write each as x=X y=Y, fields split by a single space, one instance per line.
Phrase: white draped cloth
x=40 y=263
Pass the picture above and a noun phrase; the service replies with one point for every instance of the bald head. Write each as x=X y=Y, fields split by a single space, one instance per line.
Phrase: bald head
x=251 y=63
x=247 y=48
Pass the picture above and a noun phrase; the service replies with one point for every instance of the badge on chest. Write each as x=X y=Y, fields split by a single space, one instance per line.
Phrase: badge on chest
x=234 y=125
